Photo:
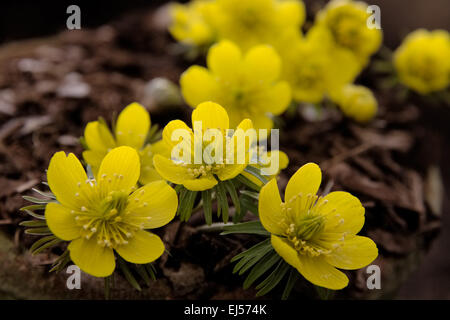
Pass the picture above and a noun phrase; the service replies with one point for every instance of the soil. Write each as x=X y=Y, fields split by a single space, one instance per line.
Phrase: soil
x=50 y=89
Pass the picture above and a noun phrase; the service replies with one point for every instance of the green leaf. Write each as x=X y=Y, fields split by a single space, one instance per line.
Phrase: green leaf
x=143 y=273
x=267 y=262
x=44 y=194
x=231 y=189
x=33 y=214
x=256 y=173
x=207 y=206
x=251 y=227
x=61 y=262
x=128 y=275
x=33 y=223
x=40 y=242
x=250 y=204
x=250 y=194
x=151 y=270
x=251 y=256
x=247 y=182
x=292 y=279
x=47 y=245
x=273 y=279
x=38 y=200
x=222 y=201
x=255 y=248
x=39 y=231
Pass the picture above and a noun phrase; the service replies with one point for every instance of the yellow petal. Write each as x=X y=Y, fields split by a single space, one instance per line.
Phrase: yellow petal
x=61 y=222
x=197 y=85
x=316 y=270
x=67 y=180
x=344 y=213
x=119 y=170
x=200 y=184
x=143 y=247
x=355 y=253
x=261 y=65
x=94 y=159
x=224 y=60
x=169 y=170
x=132 y=126
x=275 y=99
x=230 y=171
x=177 y=131
x=319 y=272
x=269 y=208
x=98 y=137
x=306 y=181
x=157 y=201
x=91 y=257
x=243 y=138
x=291 y=13
x=262 y=121
x=211 y=115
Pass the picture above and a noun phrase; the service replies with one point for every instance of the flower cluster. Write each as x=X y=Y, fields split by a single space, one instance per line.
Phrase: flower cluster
x=261 y=60
x=422 y=61
x=247 y=23
x=248 y=86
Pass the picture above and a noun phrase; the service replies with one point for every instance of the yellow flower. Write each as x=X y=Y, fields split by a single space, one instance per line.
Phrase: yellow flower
x=312 y=71
x=247 y=86
x=423 y=60
x=315 y=234
x=131 y=130
x=357 y=102
x=201 y=175
x=345 y=22
x=190 y=23
x=104 y=215
x=253 y=22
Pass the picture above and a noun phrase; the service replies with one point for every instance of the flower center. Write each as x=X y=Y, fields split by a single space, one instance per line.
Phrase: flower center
x=304 y=224
x=107 y=222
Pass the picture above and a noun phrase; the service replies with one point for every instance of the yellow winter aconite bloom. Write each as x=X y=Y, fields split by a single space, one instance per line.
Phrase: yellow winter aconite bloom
x=423 y=60
x=312 y=70
x=107 y=214
x=315 y=234
x=357 y=102
x=131 y=130
x=345 y=23
x=205 y=173
x=190 y=23
x=247 y=86
x=253 y=22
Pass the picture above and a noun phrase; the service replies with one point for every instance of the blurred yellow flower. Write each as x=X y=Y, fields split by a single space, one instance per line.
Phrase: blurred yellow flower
x=201 y=175
x=423 y=60
x=131 y=130
x=105 y=214
x=345 y=23
x=312 y=71
x=190 y=22
x=315 y=234
x=246 y=86
x=253 y=22
x=357 y=102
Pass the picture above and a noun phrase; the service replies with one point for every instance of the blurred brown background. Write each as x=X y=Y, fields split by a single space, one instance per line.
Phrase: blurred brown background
x=26 y=19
